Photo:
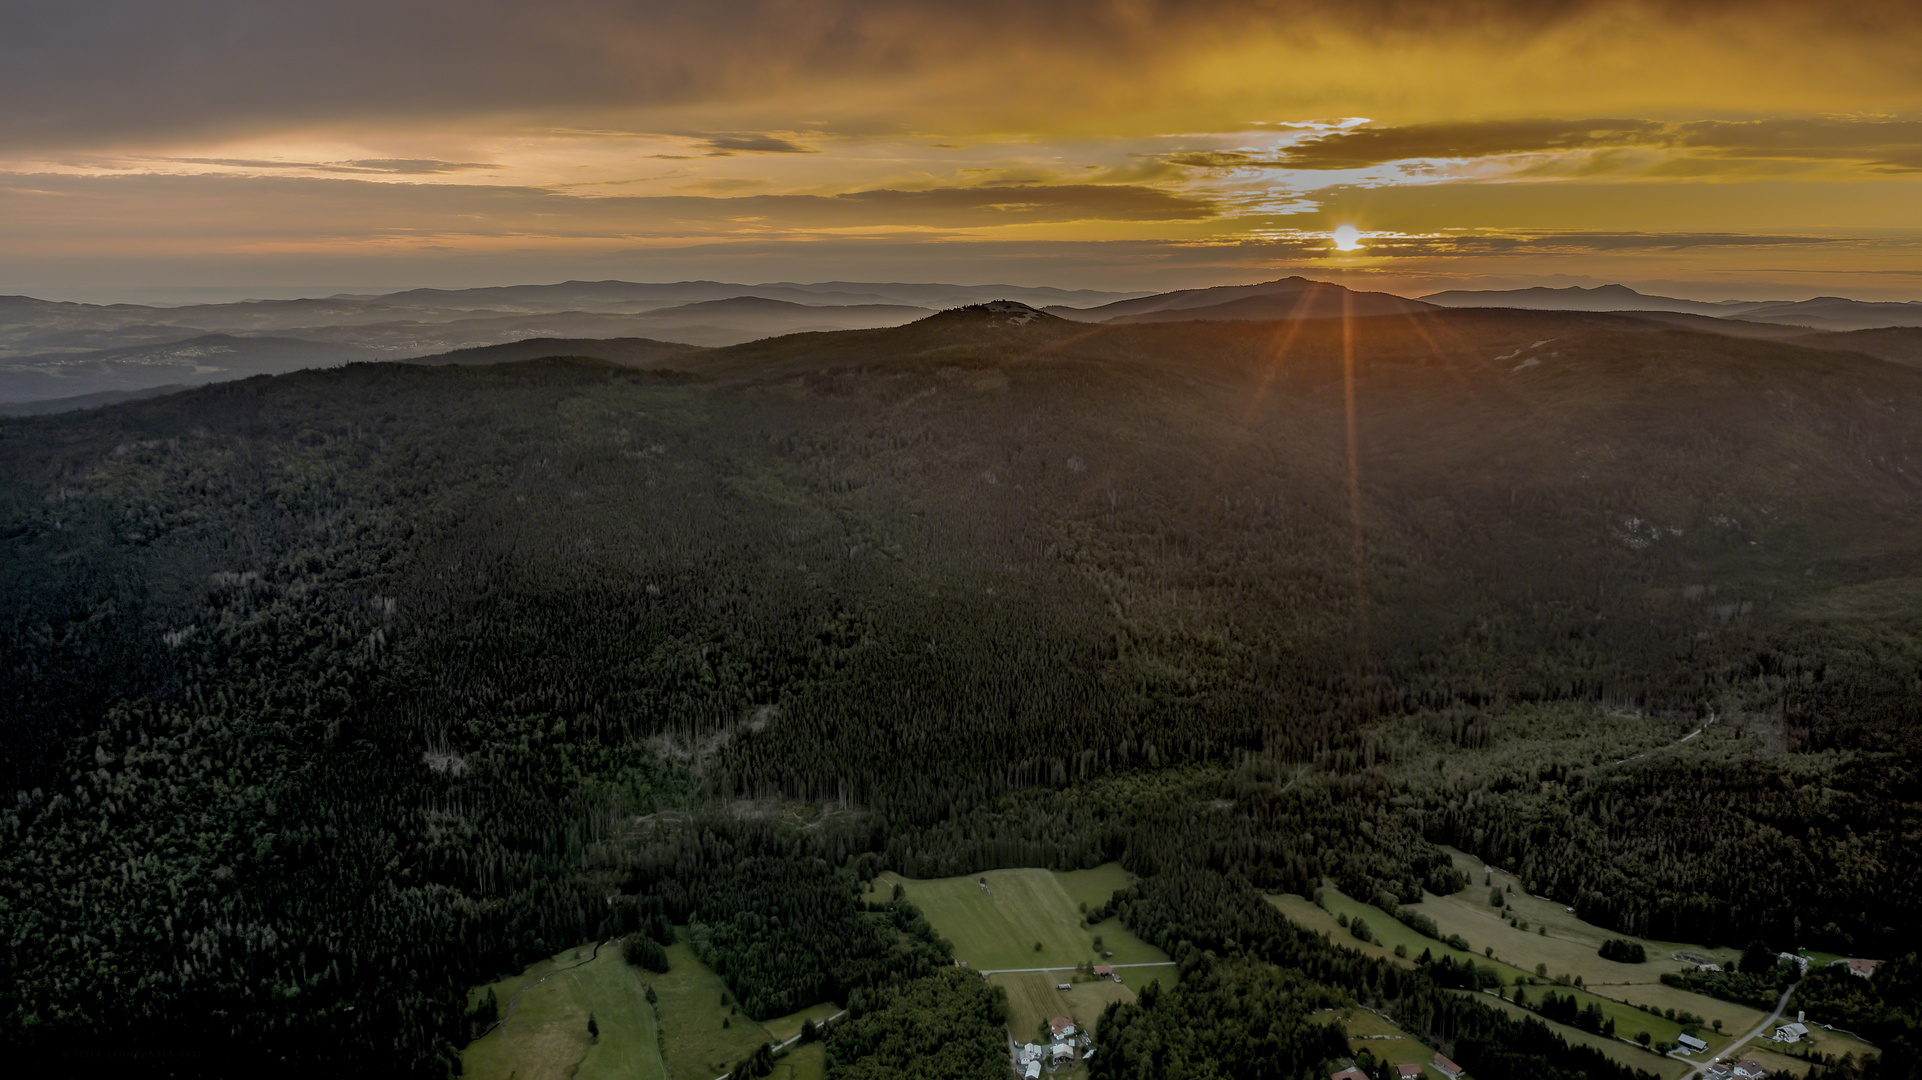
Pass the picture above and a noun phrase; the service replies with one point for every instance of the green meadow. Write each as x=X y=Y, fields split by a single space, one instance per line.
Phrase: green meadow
x=1013 y=921
x=547 y=1034
x=693 y=1031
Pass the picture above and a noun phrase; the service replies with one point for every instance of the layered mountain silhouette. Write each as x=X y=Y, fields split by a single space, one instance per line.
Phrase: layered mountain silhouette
x=51 y=350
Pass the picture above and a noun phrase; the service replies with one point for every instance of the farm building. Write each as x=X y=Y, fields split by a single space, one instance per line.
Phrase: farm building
x=1691 y=1042
x=1791 y=1033
x=1106 y=972
x=1447 y=1067
x=1060 y=1052
x=1408 y=1070
x=1864 y=968
x=1061 y=1027
x=1034 y=1070
x=1350 y=1073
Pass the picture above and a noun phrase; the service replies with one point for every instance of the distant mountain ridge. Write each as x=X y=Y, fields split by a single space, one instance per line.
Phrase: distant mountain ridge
x=1286 y=298
x=1821 y=312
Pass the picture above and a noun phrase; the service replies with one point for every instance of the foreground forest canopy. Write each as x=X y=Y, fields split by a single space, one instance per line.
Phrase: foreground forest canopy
x=332 y=694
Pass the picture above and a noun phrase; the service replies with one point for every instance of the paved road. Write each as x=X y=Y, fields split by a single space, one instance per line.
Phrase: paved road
x=1780 y=1004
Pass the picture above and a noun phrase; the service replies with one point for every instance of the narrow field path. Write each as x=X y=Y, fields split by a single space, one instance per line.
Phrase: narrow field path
x=1071 y=967
x=1665 y=746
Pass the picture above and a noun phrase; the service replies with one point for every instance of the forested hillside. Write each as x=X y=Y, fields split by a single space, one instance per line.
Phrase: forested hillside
x=338 y=692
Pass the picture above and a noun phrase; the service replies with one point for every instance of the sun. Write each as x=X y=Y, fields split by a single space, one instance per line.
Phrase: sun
x=1347 y=238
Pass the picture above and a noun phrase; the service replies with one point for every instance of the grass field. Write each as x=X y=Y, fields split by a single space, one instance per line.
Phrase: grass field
x=1381 y=1038
x=783 y=1028
x=1034 y=999
x=1569 y=948
x=996 y=919
x=1389 y=932
x=1561 y=922
x=808 y=1062
x=996 y=927
x=704 y=1037
x=547 y=1035
x=1779 y=1058
x=1634 y=1057
x=1777 y=1064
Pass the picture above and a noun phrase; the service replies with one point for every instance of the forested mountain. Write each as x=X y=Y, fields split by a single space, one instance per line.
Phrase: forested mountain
x=337 y=691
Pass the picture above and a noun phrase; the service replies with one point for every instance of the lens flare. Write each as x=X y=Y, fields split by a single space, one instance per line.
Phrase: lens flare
x=1347 y=238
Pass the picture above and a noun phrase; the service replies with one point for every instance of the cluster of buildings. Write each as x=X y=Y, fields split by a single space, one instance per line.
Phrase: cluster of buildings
x=1745 y=1069
x=1067 y=1045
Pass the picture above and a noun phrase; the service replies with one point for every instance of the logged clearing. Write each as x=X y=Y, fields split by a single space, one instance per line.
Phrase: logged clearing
x=547 y=1034
x=1008 y=920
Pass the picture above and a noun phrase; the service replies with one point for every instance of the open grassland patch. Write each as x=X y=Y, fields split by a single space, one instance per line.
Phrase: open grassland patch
x=1096 y=886
x=1090 y=997
x=547 y=1035
x=1382 y=927
x=1569 y=948
x=1835 y=1043
x=1776 y=1062
x=1036 y=997
x=997 y=919
x=783 y=1028
x=1389 y=933
x=1632 y=1056
x=807 y=1062
x=705 y=1038
x=1554 y=914
x=1136 y=978
x=1380 y=1037
x=1032 y=1002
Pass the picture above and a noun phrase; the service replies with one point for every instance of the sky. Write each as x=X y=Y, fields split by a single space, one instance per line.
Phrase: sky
x=1711 y=149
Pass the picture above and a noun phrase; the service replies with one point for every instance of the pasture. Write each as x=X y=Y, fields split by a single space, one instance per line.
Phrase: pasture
x=1380 y=1037
x=1632 y=1056
x=704 y=1037
x=547 y=1034
x=1009 y=920
x=1569 y=949
x=1629 y=1019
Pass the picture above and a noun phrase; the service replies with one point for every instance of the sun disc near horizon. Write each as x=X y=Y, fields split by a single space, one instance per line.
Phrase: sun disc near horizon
x=1347 y=238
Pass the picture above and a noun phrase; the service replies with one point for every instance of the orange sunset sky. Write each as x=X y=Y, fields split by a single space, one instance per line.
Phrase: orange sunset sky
x=1708 y=149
